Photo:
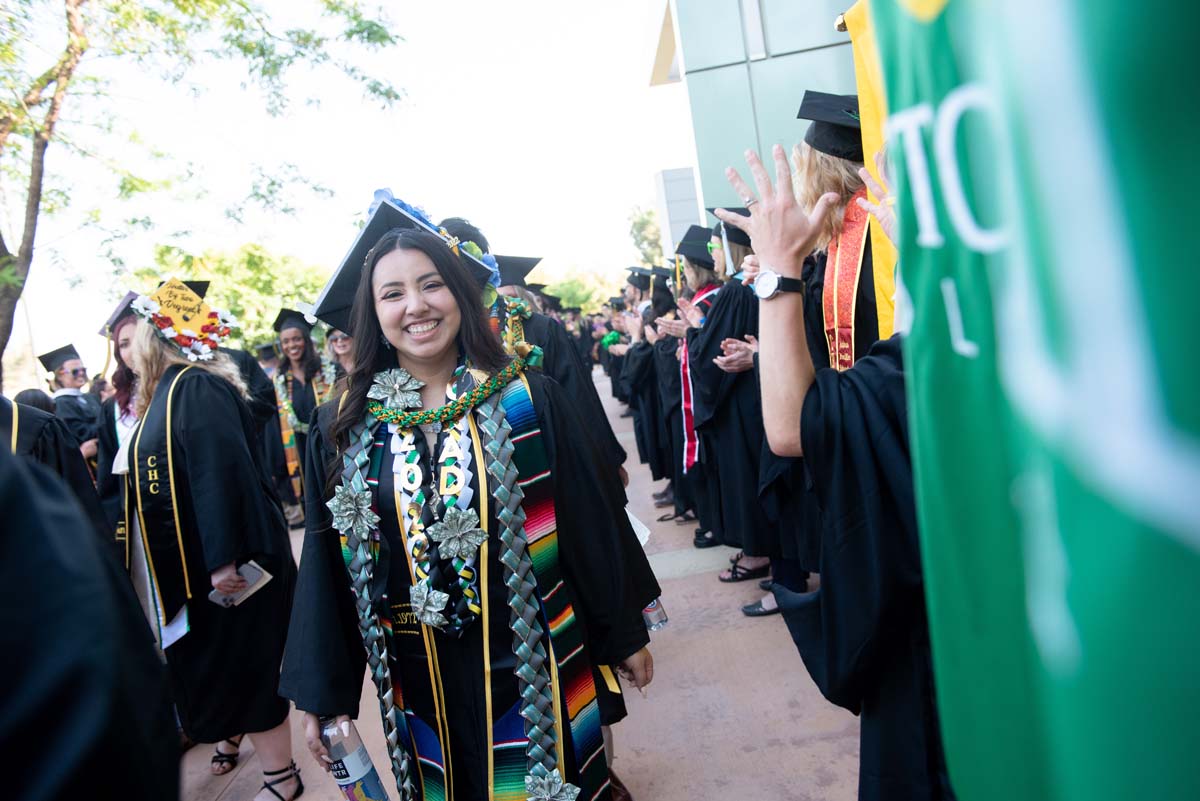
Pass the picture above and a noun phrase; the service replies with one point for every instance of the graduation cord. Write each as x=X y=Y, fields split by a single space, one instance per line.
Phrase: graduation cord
x=533 y=677
x=362 y=571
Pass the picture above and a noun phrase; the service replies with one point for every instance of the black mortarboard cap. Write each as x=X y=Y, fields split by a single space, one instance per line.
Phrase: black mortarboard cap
x=616 y=303
x=336 y=299
x=266 y=351
x=734 y=235
x=535 y=288
x=513 y=269
x=123 y=310
x=55 y=358
x=290 y=318
x=662 y=273
x=835 y=128
x=639 y=277
x=694 y=245
x=552 y=302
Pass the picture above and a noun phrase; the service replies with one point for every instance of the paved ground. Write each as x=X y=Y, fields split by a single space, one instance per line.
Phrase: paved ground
x=732 y=713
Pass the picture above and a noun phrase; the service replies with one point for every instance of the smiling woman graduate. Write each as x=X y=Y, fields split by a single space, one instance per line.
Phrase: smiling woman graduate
x=441 y=550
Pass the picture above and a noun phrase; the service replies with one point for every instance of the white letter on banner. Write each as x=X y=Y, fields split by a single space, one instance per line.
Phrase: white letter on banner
x=958 y=337
x=907 y=124
x=949 y=114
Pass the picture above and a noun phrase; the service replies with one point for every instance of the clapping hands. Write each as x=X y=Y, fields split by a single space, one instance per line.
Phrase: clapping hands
x=737 y=355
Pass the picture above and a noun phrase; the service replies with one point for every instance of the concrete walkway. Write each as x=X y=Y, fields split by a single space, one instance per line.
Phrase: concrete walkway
x=732 y=713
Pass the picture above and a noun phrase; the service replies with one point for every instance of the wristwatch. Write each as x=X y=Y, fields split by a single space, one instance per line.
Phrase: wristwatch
x=770 y=283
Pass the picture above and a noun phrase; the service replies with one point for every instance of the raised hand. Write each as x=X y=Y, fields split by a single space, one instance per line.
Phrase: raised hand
x=781 y=232
x=884 y=210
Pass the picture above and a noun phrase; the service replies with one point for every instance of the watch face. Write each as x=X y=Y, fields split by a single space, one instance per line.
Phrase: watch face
x=766 y=285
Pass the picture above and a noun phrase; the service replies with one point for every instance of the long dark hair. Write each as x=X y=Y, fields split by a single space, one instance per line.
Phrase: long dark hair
x=123 y=380
x=310 y=360
x=475 y=338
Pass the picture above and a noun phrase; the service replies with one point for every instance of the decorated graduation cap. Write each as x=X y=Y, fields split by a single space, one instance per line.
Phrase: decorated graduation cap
x=56 y=358
x=290 y=318
x=639 y=278
x=694 y=246
x=835 y=128
x=387 y=213
x=513 y=269
x=180 y=315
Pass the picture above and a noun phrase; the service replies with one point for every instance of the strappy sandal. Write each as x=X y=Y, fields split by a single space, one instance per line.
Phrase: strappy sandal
x=284 y=774
x=220 y=759
x=738 y=573
x=679 y=518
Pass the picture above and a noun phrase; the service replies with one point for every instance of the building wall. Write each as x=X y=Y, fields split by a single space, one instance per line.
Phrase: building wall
x=678 y=205
x=746 y=64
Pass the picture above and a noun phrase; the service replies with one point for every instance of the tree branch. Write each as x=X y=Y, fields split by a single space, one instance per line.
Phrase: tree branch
x=77 y=45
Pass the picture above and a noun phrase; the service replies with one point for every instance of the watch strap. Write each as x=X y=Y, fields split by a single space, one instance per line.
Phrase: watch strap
x=790 y=284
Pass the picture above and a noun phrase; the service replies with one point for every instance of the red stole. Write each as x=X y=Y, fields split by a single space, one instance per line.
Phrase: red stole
x=691 y=443
x=843 y=268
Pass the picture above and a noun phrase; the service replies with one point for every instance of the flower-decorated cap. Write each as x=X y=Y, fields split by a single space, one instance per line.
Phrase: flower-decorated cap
x=387 y=212
x=180 y=315
x=514 y=269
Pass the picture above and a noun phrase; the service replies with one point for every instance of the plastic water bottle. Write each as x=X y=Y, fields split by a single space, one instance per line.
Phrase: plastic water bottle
x=352 y=768
x=655 y=615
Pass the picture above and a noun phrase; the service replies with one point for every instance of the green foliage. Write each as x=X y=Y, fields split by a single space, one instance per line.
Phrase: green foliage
x=251 y=283
x=586 y=291
x=643 y=227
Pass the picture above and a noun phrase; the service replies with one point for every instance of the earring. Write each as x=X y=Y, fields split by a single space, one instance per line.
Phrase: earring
x=384 y=340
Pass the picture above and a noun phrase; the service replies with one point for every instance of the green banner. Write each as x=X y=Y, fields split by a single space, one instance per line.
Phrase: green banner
x=1045 y=175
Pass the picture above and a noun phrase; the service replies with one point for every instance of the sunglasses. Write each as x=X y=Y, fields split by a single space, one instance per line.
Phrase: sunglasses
x=339 y=337
x=78 y=372
x=711 y=247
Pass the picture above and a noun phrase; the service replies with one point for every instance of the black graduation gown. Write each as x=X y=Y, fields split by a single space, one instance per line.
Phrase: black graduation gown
x=264 y=409
x=605 y=570
x=562 y=363
x=45 y=439
x=785 y=486
x=86 y=704
x=641 y=386
x=729 y=413
x=80 y=413
x=863 y=634
x=224 y=672
x=110 y=487
x=670 y=398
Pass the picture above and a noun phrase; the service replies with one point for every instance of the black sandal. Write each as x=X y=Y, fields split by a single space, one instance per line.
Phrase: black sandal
x=676 y=517
x=738 y=573
x=219 y=757
x=285 y=774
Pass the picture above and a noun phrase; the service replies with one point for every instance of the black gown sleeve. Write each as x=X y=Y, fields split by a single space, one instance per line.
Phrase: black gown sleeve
x=221 y=475
x=562 y=363
x=855 y=439
x=733 y=315
x=602 y=561
x=262 y=392
x=324 y=659
x=108 y=486
x=83 y=678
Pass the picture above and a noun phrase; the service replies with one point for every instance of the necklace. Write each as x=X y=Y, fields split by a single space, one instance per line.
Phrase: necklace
x=450 y=412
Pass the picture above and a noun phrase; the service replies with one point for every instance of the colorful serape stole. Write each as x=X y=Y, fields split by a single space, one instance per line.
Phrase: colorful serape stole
x=291 y=453
x=570 y=671
x=843 y=268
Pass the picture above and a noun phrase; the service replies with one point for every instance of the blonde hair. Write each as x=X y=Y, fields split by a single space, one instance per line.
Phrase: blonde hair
x=704 y=275
x=818 y=174
x=153 y=356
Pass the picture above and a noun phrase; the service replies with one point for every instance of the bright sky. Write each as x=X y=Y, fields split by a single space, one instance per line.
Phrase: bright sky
x=534 y=120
